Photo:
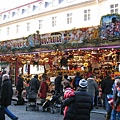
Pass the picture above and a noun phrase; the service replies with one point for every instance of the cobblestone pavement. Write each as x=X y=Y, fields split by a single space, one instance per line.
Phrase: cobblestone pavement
x=22 y=114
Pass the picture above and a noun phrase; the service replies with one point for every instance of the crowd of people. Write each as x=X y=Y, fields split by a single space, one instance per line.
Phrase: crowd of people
x=80 y=95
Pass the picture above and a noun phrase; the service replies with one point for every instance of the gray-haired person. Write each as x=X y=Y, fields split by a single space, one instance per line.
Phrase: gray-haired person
x=6 y=96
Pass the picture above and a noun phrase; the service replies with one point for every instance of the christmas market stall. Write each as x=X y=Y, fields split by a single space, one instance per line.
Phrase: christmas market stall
x=93 y=49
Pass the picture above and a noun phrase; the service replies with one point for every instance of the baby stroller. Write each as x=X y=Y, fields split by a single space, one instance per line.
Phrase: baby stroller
x=52 y=104
x=32 y=101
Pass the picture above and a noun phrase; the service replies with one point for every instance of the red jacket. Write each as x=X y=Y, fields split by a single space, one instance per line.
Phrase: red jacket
x=43 y=89
x=68 y=93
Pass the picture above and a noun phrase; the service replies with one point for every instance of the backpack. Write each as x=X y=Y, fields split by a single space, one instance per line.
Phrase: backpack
x=21 y=101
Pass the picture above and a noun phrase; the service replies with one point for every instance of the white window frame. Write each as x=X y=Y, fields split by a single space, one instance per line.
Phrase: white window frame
x=87 y=15
x=9 y=13
x=28 y=26
x=40 y=24
x=54 y=21
x=0 y=17
x=0 y=32
x=69 y=18
x=17 y=28
x=18 y=12
x=68 y=1
x=28 y=9
x=54 y=2
x=114 y=8
x=8 y=30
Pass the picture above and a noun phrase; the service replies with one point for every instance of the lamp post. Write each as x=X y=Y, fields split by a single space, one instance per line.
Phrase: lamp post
x=16 y=70
x=28 y=63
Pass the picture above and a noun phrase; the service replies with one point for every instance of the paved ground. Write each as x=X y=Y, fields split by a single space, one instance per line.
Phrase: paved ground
x=20 y=111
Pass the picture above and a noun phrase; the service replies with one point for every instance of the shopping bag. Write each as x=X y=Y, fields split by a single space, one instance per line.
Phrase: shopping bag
x=2 y=113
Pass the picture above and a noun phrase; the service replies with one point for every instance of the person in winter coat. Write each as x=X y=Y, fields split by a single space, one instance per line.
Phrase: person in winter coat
x=92 y=86
x=19 y=86
x=77 y=78
x=106 y=86
x=115 y=114
x=79 y=105
x=34 y=84
x=58 y=86
x=0 y=81
x=6 y=96
x=43 y=90
x=68 y=92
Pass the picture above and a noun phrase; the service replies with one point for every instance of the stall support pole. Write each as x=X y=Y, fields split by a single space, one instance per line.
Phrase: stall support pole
x=16 y=71
x=28 y=69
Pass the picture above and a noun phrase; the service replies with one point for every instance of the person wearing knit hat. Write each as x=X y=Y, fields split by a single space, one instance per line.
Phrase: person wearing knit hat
x=83 y=84
x=81 y=101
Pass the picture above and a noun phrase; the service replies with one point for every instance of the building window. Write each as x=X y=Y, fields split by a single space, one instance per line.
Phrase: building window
x=4 y=17
x=40 y=24
x=28 y=26
x=114 y=9
x=60 y=1
x=54 y=21
x=8 y=30
x=86 y=15
x=17 y=28
x=69 y=18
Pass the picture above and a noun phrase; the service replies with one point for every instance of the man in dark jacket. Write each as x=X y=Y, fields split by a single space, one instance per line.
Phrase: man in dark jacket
x=19 y=86
x=106 y=86
x=80 y=105
x=77 y=78
x=0 y=81
x=34 y=84
x=58 y=85
x=6 y=96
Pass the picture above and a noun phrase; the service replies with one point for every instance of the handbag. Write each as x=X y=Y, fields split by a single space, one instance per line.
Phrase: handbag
x=2 y=113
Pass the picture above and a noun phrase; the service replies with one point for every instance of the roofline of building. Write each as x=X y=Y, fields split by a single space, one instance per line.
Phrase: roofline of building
x=47 y=13
x=21 y=6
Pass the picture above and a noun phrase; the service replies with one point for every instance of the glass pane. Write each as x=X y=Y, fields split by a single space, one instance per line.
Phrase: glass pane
x=68 y=15
x=85 y=18
x=116 y=10
x=111 y=6
x=89 y=18
x=71 y=20
x=116 y=5
x=85 y=15
x=88 y=10
x=112 y=11
x=85 y=11
x=67 y=20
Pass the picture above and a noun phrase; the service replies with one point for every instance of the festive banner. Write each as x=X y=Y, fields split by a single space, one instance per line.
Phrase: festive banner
x=106 y=34
x=110 y=27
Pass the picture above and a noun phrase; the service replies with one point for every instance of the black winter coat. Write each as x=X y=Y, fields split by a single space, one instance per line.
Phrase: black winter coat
x=0 y=83
x=58 y=85
x=106 y=86
x=6 y=93
x=34 y=85
x=79 y=106
x=19 y=86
